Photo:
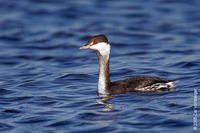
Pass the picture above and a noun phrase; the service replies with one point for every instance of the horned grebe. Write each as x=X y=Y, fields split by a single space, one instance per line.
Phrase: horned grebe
x=101 y=46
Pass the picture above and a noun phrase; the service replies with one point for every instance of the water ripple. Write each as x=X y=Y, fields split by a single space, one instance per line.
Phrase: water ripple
x=4 y=127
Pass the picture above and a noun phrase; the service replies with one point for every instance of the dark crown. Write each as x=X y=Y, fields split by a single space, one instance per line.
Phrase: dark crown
x=98 y=38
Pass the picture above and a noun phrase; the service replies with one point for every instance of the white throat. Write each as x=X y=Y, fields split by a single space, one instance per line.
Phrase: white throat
x=103 y=51
x=104 y=78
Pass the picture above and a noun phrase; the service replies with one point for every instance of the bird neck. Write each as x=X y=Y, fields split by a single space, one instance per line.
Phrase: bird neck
x=104 y=75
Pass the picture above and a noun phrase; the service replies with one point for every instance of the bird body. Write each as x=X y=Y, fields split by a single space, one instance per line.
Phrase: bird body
x=101 y=46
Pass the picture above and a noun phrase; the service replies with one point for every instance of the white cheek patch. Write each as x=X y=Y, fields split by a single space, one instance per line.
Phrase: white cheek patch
x=102 y=47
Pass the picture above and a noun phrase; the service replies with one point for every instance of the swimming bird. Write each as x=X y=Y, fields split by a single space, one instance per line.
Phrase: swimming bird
x=100 y=45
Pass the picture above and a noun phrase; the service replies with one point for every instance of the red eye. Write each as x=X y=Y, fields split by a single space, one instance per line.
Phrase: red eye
x=95 y=42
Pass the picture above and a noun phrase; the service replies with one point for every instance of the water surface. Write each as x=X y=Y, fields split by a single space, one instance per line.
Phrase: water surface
x=48 y=85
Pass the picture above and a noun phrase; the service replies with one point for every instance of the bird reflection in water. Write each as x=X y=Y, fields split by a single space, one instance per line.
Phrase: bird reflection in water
x=104 y=100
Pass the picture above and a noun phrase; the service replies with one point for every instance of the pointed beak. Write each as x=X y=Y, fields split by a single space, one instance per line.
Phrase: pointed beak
x=85 y=47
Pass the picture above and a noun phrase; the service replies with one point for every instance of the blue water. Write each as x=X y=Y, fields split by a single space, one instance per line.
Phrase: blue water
x=48 y=85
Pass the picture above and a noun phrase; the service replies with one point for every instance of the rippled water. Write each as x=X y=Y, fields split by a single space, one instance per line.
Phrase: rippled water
x=48 y=85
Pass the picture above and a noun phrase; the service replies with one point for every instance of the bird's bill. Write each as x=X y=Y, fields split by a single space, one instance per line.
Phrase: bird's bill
x=85 y=47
